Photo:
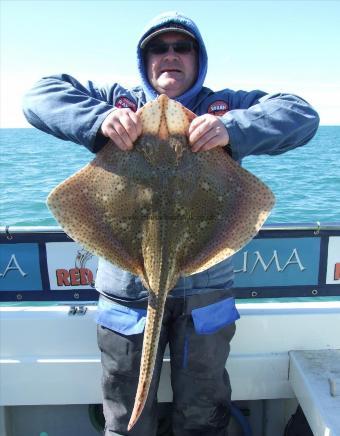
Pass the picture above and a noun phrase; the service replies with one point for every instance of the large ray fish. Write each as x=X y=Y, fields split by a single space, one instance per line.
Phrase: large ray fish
x=161 y=211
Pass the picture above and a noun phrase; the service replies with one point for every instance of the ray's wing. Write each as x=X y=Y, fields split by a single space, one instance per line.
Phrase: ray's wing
x=228 y=208
x=97 y=206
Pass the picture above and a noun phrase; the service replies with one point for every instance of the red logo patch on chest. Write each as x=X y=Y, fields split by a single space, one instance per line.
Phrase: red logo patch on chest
x=218 y=108
x=125 y=103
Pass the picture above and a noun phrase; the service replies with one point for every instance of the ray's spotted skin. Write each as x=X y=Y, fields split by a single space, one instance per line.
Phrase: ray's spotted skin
x=161 y=211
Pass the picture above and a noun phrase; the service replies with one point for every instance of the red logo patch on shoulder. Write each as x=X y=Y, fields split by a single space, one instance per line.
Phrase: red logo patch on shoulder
x=124 y=103
x=218 y=108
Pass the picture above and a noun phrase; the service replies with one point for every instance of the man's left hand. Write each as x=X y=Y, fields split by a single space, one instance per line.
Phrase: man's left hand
x=207 y=132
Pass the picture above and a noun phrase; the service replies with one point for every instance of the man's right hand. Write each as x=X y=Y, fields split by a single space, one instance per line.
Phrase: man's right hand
x=123 y=126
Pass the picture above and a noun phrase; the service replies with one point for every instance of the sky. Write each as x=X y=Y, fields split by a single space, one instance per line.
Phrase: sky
x=276 y=46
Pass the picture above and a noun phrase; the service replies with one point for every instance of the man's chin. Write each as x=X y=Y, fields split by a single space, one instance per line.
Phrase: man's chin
x=171 y=89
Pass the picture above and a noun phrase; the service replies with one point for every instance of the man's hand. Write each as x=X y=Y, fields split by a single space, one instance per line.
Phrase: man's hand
x=206 y=132
x=123 y=126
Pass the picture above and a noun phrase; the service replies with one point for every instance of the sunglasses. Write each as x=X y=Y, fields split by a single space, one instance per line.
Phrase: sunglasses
x=180 y=47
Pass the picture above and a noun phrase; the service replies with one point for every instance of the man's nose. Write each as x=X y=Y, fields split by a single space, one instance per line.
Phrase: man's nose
x=171 y=53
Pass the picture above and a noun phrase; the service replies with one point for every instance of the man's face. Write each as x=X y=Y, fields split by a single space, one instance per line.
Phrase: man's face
x=173 y=72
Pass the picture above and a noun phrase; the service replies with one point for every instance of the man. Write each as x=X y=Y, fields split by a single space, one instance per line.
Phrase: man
x=200 y=314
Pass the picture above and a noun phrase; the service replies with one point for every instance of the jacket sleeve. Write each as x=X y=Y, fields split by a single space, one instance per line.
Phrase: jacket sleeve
x=63 y=107
x=269 y=124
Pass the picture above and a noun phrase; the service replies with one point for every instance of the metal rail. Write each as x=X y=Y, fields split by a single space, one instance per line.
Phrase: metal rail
x=269 y=227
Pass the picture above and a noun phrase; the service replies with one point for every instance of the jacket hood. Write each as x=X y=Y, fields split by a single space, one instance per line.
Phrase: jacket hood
x=173 y=19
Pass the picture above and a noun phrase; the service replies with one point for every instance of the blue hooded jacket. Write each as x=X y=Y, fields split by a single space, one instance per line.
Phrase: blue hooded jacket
x=257 y=123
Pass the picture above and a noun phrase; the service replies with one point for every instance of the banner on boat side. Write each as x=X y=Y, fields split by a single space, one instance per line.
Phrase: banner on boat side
x=70 y=266
x=278 y=262
x=49 y=266
x=333 y=261
x=20 y=268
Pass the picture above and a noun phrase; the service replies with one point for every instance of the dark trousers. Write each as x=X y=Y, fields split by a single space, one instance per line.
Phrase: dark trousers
x=200 y=382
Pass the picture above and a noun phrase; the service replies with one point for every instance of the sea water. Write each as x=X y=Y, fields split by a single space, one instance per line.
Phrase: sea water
x=305 y=181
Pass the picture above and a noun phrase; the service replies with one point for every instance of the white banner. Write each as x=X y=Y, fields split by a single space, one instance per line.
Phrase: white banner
x=333 y=261
x=70 y=266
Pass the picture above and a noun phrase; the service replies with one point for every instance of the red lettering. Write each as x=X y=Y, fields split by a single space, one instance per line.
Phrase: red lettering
x=62 y=277
x=75 y=276
x=86 y=276
x=337 y=271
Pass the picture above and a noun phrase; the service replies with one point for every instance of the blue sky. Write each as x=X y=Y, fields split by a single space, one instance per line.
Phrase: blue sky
x=287 y=46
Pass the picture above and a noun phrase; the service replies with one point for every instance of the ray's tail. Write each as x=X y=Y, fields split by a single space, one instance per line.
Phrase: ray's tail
x=150 y=345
